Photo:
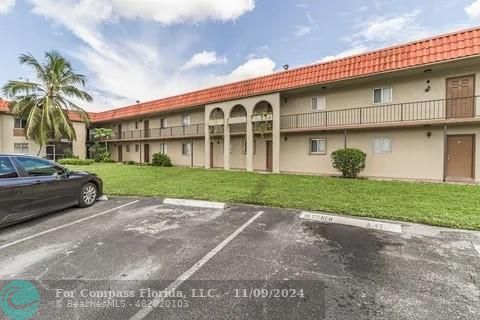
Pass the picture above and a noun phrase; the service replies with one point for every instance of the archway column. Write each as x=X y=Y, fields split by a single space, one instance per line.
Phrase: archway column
x=249 y=141
x=226 y=144
x=207 y=139
x=276 y=136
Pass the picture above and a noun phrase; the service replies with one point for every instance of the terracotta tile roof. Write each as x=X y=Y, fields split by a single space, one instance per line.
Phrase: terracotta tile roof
x=3 y=105
x=438 y=49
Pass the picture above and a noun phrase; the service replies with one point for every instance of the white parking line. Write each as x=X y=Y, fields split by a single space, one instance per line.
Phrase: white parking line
x=477 y=248
x=184 y=277
x=361 y=223
x=65 y=226
x=195 y=203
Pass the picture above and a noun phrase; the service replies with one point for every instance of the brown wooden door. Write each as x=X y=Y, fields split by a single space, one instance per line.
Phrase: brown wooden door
x=211 y=154
x=460 y=97
x=120 y=154
x=146 y=153
x=269 y=155
x=460 y=156
x=119 y=131
x=146 y=128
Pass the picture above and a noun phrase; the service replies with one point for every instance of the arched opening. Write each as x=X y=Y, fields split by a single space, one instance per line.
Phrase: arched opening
x=262 y=118
x=238 y=119
x=238 y=139
x=216 y=123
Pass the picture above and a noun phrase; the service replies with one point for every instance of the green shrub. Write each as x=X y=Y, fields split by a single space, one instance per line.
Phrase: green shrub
x=350 y=162
x=161 y=160
x=75 y=162
x=130 y=163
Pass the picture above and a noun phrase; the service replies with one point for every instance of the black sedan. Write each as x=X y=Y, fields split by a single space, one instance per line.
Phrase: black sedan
x=32 y=186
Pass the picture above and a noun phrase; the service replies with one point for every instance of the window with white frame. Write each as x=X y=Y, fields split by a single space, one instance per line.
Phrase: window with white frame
x=318 y=103
x=137 y=148
x=318 y=146
x=163 y=148
x=382 y=95
x=20 y=123
x=127 y=148
x=20 y=148
x=382 y=145
x=186 y=149
x=185 y=120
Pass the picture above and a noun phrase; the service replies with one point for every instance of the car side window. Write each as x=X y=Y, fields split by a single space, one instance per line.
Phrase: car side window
x=38 y=167
x=7 y=170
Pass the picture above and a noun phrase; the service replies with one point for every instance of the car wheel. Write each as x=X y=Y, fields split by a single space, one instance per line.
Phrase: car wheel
x=88 y=195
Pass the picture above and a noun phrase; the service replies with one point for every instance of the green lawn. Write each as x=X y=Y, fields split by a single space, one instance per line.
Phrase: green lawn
x=436 y=204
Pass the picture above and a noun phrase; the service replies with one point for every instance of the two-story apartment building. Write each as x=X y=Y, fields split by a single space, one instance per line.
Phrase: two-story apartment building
x=13 y=140
x=412 y=108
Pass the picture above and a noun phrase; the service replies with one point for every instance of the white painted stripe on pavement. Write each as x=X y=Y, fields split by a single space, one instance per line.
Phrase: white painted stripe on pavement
x=362 y=223
x=477 y=248
x=65 y=225
x=195 y=203
x=184 y=277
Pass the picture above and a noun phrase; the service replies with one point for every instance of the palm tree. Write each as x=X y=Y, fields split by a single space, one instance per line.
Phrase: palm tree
x=47 y=102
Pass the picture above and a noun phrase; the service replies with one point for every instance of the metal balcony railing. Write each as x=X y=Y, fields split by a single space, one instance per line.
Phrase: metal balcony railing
x=169 y=132
x=457 y=108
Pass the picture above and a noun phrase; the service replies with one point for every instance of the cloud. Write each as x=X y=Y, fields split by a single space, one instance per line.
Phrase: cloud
x=163 y=11
x=301 y=31
x=168 y=12
x=346 y=53
x=251 y=68
x=117 y=75
x=473 y=10
x=202 y=59
x=387 y=30
x=6 y=6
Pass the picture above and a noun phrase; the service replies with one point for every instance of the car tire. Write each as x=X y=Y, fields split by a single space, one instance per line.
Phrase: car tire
x=88 y=195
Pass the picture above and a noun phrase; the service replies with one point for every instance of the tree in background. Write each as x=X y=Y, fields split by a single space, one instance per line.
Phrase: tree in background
x=45 y=103
x=100 y=148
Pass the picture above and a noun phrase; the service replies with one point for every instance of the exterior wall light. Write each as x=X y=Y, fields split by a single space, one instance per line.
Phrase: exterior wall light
x=428 y=87
x=429 y=134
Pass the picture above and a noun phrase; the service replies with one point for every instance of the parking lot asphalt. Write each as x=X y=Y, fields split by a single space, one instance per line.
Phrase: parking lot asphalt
x=241 y=257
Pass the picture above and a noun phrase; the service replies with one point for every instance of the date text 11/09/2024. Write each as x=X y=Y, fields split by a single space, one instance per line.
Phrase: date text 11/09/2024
x=194 y=293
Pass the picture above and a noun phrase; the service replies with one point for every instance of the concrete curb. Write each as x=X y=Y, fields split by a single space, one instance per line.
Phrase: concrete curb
x=355 y=222
x=194 y=203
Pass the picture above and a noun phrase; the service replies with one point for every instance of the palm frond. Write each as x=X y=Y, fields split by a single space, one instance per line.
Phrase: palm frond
x=47 y=103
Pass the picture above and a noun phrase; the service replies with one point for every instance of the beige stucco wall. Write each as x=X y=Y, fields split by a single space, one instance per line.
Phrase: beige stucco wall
x=295 y=155
x=174 y=151
x=8 y=139
x=79 y=146
x=414 y=155
x=407 y=87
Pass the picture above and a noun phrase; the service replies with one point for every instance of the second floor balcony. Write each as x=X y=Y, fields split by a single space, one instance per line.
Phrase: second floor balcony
x=432 y=111
x=458 y=110
x=193 y=130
